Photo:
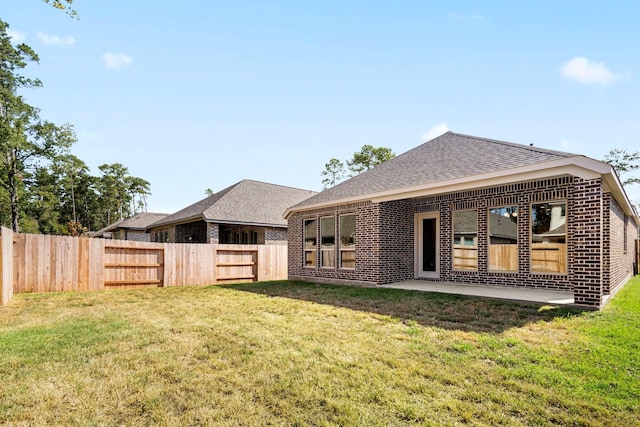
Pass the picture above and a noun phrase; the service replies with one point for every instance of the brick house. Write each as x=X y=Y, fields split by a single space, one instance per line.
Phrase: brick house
x=464 y=209
x=248 y=212
x=131 y=228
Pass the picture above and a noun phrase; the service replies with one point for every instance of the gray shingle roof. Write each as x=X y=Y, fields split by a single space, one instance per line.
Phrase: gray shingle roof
x=449 y=156
x=137 y=222
x=246 y=202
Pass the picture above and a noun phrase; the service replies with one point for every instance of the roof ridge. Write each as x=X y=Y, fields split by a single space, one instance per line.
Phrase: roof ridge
x=529 y=147
x=275 y=185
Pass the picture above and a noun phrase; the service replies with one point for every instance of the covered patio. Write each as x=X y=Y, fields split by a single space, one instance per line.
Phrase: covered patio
x=543 y=296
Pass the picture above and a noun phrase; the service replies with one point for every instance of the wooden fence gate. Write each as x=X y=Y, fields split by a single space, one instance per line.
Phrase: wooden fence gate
x=126 y=267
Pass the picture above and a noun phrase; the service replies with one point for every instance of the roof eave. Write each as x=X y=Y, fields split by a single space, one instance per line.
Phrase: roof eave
x=161 y=223
x=257 y=224
x=579 y=166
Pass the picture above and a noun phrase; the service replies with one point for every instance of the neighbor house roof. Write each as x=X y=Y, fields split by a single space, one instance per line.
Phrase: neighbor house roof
x=454 y=162
x=246 y=202
x=138 y=222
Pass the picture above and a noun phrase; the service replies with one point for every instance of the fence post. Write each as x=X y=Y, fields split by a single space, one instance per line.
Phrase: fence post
x=6 y=266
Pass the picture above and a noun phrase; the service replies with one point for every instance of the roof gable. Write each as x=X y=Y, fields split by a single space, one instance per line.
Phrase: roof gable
x=246 y=202
x=448 y=157
x=139 y=221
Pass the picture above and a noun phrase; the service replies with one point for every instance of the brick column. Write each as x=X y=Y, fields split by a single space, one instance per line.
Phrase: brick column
x=213 y=233
x=586 y=246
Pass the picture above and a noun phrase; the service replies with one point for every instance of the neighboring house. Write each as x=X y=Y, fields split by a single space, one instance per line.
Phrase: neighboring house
x=465 y=209
x=131 y=228
x=249 y=212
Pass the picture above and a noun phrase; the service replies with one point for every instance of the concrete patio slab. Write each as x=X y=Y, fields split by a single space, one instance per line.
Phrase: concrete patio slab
x=500 y=292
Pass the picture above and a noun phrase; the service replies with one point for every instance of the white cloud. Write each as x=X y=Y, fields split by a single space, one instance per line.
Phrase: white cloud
x=116 y=61
x=49 y=40
x=435 y=131
x=587 y=72
x=17 y=36
x=462 y=17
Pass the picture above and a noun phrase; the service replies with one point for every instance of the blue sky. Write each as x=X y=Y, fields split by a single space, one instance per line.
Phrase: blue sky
x=201 y=94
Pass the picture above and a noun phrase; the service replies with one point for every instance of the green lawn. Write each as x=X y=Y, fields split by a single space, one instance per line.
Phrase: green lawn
x=290 y=353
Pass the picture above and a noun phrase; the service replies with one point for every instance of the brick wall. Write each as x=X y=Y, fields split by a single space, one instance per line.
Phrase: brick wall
x=620 y=256
x=213 y=233
x=586 y=242
x=521 y=195
x=367 y=271
x=396 y=234
x=137 y=236
x=386 y=237
x=274 y=235
x=632 y=236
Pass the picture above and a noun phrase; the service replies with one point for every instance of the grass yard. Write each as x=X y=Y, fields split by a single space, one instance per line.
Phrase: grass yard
x=287 y=353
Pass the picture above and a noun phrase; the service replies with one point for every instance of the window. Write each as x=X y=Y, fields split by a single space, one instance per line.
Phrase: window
x=549 y=237
x=310 y=243
x=161 y=236
x=465 y=240
x=503 y=239
x=327 y=241
x=347 y=241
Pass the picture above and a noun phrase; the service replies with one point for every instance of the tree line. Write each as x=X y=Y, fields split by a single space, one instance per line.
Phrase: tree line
x=44 y=188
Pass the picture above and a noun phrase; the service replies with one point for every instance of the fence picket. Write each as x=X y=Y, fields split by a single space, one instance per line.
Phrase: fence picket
x=46 y=263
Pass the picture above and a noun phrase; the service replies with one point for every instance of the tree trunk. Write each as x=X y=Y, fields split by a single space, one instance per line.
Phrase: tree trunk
x=13 y=193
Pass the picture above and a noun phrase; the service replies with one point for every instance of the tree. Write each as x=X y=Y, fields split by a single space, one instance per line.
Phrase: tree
x=118 y=191
x=77 y=195
x=208 y=192
x=41 y=208
x=63 y=5
x=363 y=160
x=138 y=190
x=367 y=158
x=623 y=163
x=25 y=140
x=333 y=173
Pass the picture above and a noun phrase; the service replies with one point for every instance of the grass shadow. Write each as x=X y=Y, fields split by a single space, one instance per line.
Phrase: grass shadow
x=447 y=311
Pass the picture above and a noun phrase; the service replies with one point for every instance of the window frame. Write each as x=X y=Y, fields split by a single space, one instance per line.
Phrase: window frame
x=351 y=247
x=566 y=237
x=464 y=247
x=517 y=244
x=313 y=250
x=332 y=262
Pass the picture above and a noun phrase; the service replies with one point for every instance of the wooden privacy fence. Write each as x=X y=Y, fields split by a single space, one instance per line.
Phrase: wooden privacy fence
x=45 y=263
